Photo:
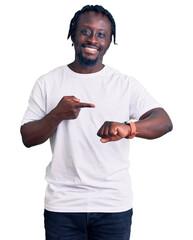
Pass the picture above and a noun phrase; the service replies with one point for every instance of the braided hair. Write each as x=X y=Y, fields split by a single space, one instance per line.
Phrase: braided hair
x=91 y=8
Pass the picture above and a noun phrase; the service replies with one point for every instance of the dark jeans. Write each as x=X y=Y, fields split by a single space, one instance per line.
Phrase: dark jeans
x=88 y=226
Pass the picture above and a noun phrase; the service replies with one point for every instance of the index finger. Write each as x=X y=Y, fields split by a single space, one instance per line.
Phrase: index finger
x=84 y=105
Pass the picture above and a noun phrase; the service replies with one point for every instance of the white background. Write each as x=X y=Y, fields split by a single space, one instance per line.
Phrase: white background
x=155 y=45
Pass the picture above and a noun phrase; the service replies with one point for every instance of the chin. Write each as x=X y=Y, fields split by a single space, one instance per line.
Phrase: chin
x=87 y=61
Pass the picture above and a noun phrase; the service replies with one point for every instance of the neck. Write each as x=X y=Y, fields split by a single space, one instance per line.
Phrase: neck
x=77 y=67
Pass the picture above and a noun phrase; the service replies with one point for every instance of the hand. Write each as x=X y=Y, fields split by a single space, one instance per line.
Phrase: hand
x=69 y=107
x=113 y=131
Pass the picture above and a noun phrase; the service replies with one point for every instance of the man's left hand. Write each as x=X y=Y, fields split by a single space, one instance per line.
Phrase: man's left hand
x=113 y=131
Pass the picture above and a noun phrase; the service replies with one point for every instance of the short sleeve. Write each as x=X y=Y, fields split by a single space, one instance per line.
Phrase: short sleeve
x=140 y=100
x=37 y=103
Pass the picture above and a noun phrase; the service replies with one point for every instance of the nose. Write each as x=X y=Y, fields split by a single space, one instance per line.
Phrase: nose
x=93 y=39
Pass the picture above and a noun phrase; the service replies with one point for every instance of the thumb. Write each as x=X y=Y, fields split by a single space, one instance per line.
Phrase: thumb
x=104 y=140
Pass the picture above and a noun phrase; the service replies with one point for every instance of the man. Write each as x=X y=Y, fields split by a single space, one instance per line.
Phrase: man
x=80 y=107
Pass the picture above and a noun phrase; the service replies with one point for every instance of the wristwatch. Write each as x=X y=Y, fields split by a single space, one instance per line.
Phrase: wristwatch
x=133 y=132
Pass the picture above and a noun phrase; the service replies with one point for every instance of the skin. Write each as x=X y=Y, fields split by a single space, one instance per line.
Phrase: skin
x=37 y=132
x=93 y=29
x=92 y=39
x=153 y=124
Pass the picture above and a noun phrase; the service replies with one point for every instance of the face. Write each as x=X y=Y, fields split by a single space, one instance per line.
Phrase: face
x=92 y=38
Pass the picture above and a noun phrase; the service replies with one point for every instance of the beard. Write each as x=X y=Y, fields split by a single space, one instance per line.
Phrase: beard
x=86 y=61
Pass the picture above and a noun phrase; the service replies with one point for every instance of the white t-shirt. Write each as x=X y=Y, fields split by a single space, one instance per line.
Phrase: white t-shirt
x=84 y=174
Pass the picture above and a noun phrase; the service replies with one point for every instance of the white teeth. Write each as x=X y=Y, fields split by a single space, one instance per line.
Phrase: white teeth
x=91 y=49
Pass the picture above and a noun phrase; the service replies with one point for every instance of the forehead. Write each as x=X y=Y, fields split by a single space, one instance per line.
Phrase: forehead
x=94 y=19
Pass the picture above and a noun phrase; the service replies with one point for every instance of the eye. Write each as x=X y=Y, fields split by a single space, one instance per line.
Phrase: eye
x=86 y=32
x=101 y=35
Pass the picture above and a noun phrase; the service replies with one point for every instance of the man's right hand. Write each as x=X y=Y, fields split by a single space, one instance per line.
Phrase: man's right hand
x=69 y=108
x=37 y=132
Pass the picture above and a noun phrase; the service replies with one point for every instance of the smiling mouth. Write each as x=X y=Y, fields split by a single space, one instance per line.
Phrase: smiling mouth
x=90 y=49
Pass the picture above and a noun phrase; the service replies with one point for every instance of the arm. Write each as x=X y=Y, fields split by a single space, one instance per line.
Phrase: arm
x=37 y=132
x=153 y=124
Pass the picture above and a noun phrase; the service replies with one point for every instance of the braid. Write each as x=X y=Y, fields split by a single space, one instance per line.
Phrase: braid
x=92 y=8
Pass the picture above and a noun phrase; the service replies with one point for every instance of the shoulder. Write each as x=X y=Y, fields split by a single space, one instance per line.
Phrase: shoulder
x=56 y=72
x=120 y=76
x=51 y=77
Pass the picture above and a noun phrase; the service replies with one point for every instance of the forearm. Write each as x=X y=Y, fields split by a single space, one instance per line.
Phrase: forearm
x=37 y=132
x=153 y=124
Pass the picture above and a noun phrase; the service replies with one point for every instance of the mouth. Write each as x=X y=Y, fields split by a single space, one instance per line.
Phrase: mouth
x=90 y=49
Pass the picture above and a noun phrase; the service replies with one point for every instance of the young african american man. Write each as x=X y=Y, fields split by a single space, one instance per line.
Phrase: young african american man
x=85 y=108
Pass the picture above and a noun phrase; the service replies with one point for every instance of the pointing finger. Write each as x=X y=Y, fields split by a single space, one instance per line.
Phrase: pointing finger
x=84 y=105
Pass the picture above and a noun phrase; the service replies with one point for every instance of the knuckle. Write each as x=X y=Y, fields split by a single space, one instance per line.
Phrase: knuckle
x=64 y=100
x=106 y=123
x=111 y=132
x=75 y=113
x=74 y=116
x=68 y=98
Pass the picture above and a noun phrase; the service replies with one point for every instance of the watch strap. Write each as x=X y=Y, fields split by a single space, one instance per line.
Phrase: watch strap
x=133 y=132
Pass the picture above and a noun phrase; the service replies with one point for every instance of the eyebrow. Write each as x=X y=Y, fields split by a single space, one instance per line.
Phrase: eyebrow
x=102 y=29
